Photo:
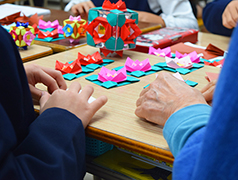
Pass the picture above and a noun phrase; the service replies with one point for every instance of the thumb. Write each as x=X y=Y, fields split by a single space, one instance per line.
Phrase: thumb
x=44 y=98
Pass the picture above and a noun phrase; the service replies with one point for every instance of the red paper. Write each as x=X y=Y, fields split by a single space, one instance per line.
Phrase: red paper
x=53 y=34
x=95 y=58
x=120 y=5
x=73 y=68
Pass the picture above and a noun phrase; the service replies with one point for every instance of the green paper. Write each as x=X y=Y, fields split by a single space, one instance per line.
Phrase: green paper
x=112 y=19
x=150 y=72
x=195 y=65
x=90 y=40
x=183 y=70
x=161 y=64
x=135 y=16
x=169 y=69
x=110 y=44
x=146 y=86
x=108 y=60
x=120 y=44
x=116 y=11
x=118 y=68
x=191 y=83
x=69 y=76
x=137 y=73
x=132 y=79
x=123 y=83
x=121 y=20
x=109 y=84
x=93 y=66
x=92 y=77
x=92 y=14
x=85 y=69
x=81 y=74
x=156 y=68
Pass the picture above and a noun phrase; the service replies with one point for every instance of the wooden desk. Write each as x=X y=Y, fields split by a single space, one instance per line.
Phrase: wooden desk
x=35 y=51
x=62 y=45
x=116 y=122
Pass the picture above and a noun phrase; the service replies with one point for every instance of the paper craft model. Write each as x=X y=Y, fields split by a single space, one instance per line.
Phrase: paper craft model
x=160 y=52
x=137 y=65
x=112 y=75
x=22 y=34
x=74 y=28
x=112 y=27
x=73 y=68
x=95 y=58
x=184 y=62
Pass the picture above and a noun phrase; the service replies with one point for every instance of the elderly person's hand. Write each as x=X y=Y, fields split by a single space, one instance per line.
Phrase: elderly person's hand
x=208 y=91
x=165 y=96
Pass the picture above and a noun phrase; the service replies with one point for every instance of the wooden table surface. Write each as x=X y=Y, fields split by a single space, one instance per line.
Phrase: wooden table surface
x=62 y=45
x=35 y=51
x=116 y=122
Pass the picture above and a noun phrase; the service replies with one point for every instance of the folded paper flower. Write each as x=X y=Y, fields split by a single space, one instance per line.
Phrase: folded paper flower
x=175 y=63
x=45 y=25
x=28 y=37
x=137 y=65
x=112 y=75
x=95 y=58
x=53 y=34
x=193 y=56
x=78 y=18
x=160 y=52
x=120 y=5
x=73 y=68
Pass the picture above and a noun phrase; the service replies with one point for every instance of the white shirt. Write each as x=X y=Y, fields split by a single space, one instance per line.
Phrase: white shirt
x=176 y=13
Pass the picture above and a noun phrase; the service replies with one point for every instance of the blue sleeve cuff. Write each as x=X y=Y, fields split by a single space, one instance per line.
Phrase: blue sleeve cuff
x=183 y=123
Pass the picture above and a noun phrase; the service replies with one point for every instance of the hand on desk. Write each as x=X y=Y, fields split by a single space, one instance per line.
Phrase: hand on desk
x=165 y=96
x=150 y=18
x=74 y=102
x=53 y=79
x=208 y=91
x=82 y=8
x=230 y=15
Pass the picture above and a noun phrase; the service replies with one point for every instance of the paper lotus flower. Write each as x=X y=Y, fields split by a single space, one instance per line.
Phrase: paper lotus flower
x=175 y=63
x=44 y=25
x=120 y=5
x=95 y=58
x=22 y=34
x=137 y=65
x=193 y=56
x=73 y=68
x=53 y=34
x=160 y=52
x=112 y=75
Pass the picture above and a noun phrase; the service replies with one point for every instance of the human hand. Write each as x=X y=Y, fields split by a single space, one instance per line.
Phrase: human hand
x=74 y=102
x=230 y=15
x=165 y=96
x=150 y=18
x=208 y=91
x=53 y=79
x=82 y=8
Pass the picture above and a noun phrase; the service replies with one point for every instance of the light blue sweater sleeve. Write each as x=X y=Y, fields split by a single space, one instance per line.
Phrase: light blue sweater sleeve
x=183 y=123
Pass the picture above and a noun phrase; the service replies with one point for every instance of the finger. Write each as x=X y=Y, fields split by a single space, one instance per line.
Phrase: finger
x=44 y=98
x=81 y=9
x=139 y=112
x=74 y=10
x=98 y=103
x=57 y=76
x=88 y=6
x=139 y=101
x=87 y=91
x=74 y=87
x=35 y=93
x=208 y=95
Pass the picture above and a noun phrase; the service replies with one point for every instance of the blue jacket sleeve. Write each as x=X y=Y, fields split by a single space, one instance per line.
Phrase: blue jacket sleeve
x=210 y=152
x=212 y=17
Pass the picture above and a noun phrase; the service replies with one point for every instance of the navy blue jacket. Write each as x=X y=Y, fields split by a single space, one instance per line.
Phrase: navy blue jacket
x=212 y=17
x=51 y=146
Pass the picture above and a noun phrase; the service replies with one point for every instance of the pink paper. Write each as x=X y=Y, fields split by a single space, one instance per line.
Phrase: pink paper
x=175 y=63
x=160 y=52
x=45 y=25
x=78 y=18
x=137 y=65
x=193 y=56
x=112 y=75
x=178 y=76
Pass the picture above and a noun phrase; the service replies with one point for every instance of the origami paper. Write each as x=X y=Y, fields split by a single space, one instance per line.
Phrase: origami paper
x=53 y=34
x=73 y=68
x=212 y=76
x=137 y=65
x=218 y=63
x=95 y=58
x=112 y=75
x=188 y=82
x=194 y=57
x=22 y=34
x=184 y=62
x=160 y=52
x=43 y=25
x=111 y=29
x=74 y=27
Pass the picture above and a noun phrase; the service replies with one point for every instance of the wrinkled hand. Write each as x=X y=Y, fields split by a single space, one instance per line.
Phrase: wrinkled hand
x=165 y=96
x=150 y=18
x=53 y=79
x=74 y=102
x=230 y=15
x=208 y=91
x=82 y=8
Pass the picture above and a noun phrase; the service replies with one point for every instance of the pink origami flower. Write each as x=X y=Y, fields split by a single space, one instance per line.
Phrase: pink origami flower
x=137 y=65
x=28 y=37
x=78 y=18
x=45 y=25
x=112 y=75
x=175 y=63
x=193 y=56
x=160 y=52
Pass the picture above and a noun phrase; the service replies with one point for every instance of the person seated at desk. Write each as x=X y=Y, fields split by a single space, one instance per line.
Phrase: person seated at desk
x=167 y=13
x=203 y=139
x=220 y=16
x=51 y=146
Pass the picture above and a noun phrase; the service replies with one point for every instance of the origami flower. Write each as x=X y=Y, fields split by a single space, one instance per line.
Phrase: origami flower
x=160 y=52
x=137 y=65
x=112 y=75
x=14 y=35
x=175 y=63
x=95 y=58
x=78 y=18
x=25 y=25
x=53 y=34
x=73 y=68
x=68 y=30
x=120 y=5
x=193 y=56
x=45 y=25
x=28 y=37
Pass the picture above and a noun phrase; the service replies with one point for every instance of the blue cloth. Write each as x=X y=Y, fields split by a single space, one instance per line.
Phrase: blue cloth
x=51 y=146
x=212 y=17
x=210 y=152
x=139 y=5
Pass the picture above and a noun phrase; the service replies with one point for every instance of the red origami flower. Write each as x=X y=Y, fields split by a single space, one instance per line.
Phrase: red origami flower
x=73 y=68
x=95 y=58
x=120 y=5
x=53 y=34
